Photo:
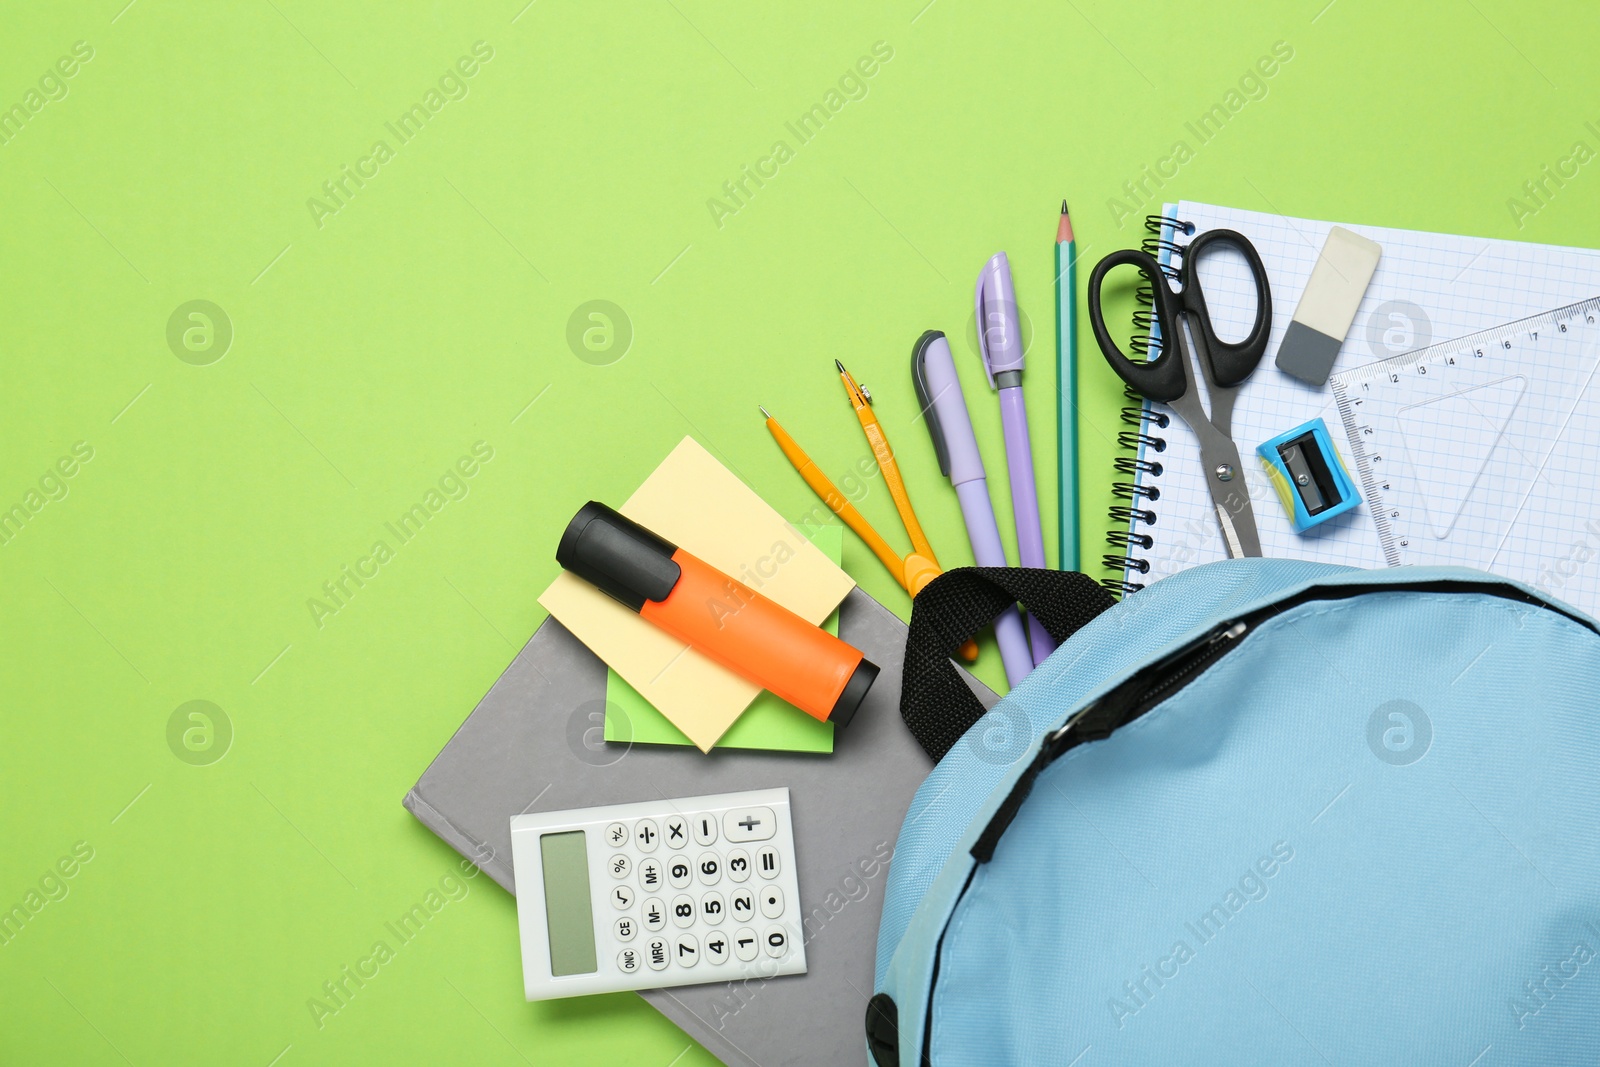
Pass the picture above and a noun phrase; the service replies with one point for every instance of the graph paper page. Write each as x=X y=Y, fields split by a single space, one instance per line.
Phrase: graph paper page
x=1428 y=288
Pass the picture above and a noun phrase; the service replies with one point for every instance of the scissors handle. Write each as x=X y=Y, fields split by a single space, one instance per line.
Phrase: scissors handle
x=1229 y=363
x=1164 y=379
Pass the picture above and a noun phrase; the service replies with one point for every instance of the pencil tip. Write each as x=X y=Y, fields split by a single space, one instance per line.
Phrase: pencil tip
x=1064 y=227
x=836 y=363
x=764 y=412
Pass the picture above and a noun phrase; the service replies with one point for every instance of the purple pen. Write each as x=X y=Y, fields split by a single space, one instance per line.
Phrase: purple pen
x=944 y=408
x=1000 y=342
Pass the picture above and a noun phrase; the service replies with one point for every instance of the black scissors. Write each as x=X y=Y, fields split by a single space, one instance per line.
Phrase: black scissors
x=1168 y=379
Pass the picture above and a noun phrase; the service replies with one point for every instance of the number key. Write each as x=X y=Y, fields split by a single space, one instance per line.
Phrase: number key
x=738 y=865
x=709 y=868
x=745 y=946
x=682 y=911
x=711 y=908
x=679 y=873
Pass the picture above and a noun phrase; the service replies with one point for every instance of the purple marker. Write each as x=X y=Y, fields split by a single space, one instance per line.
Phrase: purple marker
x=1000 y=342
x=944 y=408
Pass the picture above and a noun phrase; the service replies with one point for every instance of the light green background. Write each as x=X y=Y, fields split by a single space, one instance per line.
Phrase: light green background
x=428 y=314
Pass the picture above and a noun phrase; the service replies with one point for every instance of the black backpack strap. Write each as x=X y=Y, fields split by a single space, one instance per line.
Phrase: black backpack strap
x=936 y=705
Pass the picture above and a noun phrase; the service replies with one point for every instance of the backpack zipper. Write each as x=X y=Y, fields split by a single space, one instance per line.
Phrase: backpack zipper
x=1157 y=682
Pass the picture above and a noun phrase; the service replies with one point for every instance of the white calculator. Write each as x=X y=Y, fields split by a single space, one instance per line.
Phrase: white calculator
x=660 y=893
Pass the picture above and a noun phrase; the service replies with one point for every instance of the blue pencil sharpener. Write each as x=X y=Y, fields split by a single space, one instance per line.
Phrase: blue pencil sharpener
x=1309 y=475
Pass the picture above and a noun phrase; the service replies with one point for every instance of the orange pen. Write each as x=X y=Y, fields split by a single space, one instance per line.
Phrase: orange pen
x=919 y=566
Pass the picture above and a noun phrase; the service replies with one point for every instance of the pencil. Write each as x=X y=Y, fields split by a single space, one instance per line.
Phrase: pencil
x=1067 y=390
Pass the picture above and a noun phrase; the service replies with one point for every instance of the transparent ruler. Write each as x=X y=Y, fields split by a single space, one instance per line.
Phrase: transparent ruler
x=1485 y=451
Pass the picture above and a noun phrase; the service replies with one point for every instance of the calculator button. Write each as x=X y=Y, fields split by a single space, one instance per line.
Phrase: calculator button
x=772 y=902
x=745 y=946
x=743 y=905
x=682 y=911
x=619 y=866
x=688 y=950
x=738 y=865
x=621 y=898
x=650 y=875
x=709 y=868
x=676 y=831
x=712 y=908
x=775 y=941
x=655 y=954
x=616 y=835
x=717 y=949
x=679 y=873
x=705 y=829
x=625 y=929
x=646 y=835
x=655 y=914
x=767 y=862
x=749 y=824
x=628 y=960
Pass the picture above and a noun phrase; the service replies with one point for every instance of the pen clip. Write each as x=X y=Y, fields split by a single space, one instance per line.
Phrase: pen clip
x=930 y=412
x=981 y=312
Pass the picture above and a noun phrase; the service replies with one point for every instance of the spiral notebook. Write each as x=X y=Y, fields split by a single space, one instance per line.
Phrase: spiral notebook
x=1428 y=288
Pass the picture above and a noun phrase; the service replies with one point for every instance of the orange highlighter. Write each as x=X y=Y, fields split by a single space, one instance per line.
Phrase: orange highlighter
x=726 y=620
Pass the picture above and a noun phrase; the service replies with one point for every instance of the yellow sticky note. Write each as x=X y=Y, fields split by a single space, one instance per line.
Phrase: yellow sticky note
x=700 y=506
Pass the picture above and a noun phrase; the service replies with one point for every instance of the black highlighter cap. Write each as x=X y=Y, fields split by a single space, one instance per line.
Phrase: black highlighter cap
x=617 y=555
x=855 y=691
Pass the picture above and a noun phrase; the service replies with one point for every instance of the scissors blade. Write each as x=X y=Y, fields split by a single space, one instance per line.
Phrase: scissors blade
x=1230 y=496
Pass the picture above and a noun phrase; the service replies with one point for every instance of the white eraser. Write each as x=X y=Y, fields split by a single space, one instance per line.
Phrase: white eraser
x=1328 y=306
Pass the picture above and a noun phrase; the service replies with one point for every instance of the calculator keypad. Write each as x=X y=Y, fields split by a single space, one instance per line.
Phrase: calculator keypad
x=703 y=896
x=690 y=891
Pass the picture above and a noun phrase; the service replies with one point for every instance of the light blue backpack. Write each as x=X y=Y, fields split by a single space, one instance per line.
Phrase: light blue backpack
x=1264 y=812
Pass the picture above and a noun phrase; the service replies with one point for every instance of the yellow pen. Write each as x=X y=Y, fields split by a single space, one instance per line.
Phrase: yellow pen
x=912 y=571
x=921 y=566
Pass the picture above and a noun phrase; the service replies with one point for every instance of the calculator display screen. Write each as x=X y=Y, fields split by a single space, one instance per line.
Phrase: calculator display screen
x=566 y=903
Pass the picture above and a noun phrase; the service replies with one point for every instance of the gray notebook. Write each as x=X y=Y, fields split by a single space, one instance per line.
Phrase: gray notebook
x=534 y=743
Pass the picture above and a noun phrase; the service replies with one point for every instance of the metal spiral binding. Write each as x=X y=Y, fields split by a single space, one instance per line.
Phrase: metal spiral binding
x=1163 y=236
x=1132 y=491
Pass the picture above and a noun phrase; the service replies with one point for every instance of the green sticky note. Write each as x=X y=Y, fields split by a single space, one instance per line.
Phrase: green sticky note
x=769 y=722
